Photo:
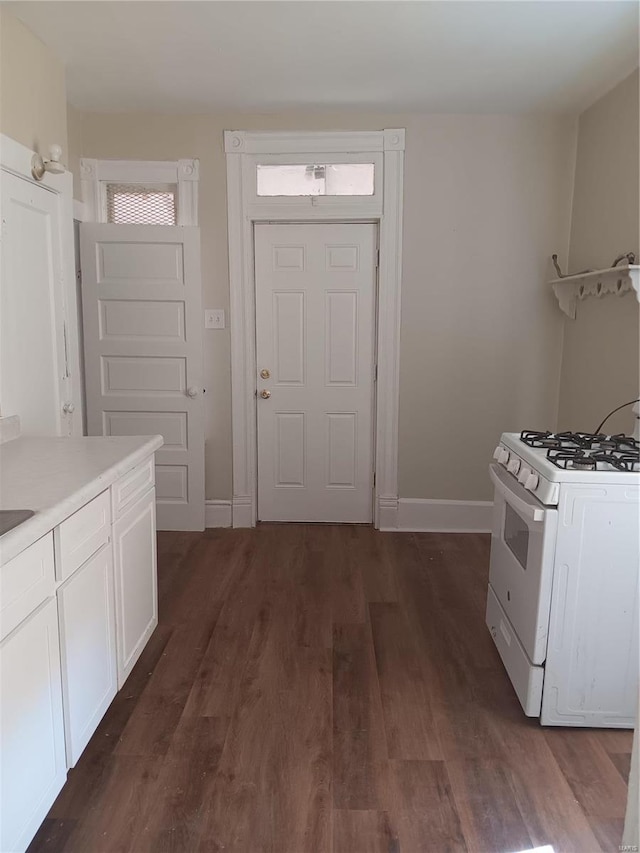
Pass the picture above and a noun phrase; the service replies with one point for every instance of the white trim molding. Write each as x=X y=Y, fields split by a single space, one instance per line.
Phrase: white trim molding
x=15 y=159
x=416 y=515
x=217 y=513
x=95 y=174
x=244 y=208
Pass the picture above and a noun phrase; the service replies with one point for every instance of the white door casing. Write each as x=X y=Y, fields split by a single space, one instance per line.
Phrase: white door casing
x=142 y=322
x=315 y=306
x=244 y=209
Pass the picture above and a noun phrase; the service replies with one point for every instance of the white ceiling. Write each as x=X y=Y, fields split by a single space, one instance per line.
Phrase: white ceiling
x=388 y=55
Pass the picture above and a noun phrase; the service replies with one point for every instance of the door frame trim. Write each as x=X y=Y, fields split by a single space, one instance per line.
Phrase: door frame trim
x=243 y=210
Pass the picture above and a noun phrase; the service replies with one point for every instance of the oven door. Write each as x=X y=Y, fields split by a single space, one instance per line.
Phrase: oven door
x=522 y=554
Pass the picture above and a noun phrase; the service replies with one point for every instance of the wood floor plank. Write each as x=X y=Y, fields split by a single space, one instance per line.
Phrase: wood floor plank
x=545 y=799
x=330 y=689
x=409 y=721
x=486 y=805
x=359 y=739
x=622 y=762
x=595 y=782
x=420 y=801
x=272 y=790
x=364 y=831
x=378 y=566
x=53 y=835
x=173 y=816
x=348 y=600
x=113 y=812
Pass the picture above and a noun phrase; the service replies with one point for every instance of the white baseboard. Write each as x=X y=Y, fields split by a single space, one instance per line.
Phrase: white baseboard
x=242 y=515
x=433 y=516
x=412 y=515
x=217 y=513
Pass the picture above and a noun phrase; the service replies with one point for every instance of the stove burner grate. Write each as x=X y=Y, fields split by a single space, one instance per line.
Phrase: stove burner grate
x=577 y=459
x=572 y=459
x=584 y=451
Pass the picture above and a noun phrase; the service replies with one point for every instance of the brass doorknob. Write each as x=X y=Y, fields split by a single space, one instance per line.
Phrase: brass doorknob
x=264 y=373
x=265 y=394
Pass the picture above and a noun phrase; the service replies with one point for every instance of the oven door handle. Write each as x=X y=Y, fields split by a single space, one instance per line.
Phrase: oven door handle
x=525 y=508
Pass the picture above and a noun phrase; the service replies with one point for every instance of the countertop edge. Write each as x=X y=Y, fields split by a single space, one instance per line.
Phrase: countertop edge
x=21 y=537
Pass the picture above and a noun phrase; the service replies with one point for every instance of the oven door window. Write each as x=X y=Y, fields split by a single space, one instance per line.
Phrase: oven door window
x=516 y=535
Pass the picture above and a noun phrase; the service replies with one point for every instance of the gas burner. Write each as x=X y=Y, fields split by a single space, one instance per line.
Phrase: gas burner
x=626 y=443
x=535 y=438
x=622 y=461
x=578 y=459
x=572 y=459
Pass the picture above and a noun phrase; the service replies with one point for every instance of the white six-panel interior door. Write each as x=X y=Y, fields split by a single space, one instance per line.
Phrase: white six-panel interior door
x=142 y=323
x=315 y=312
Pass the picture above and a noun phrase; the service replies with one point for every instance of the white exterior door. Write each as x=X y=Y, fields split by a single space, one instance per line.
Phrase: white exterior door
x=34 y=375
x=315 y=309
x=142 y=320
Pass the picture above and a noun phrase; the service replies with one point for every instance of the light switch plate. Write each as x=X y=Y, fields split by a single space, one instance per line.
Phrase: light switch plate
x=214 y=318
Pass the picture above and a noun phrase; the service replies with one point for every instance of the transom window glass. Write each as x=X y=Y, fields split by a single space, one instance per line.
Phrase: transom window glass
x=129 y=204
x=316 y=179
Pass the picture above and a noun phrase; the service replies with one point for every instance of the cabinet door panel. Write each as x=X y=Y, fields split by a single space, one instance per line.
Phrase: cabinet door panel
x=32 y=757
x=87 y=634
x=134 y=541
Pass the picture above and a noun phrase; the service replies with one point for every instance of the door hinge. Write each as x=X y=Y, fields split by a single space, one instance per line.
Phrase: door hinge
x=377 y=258
x=374 y=479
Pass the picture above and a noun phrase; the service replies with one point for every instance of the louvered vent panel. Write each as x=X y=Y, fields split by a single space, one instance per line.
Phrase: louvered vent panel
x=129 y=204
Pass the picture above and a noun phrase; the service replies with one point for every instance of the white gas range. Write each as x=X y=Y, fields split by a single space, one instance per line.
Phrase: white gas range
x=562 y=605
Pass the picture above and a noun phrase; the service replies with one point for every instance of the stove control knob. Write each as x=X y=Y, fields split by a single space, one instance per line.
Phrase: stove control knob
x=503 y=458
x=531 y=482
x=524 y=474
x=514 y=466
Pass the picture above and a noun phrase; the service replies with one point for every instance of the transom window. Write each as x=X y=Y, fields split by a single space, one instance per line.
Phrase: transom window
x=141 y=204
x=313 y=179
x=140 y=192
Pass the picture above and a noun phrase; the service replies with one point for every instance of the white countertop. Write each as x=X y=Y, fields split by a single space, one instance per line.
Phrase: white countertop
x=56 y=476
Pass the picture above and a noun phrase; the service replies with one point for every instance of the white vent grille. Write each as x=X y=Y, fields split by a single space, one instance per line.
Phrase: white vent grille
x=129 y=204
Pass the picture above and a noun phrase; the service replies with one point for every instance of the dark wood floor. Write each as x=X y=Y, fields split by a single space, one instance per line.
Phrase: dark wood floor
x=323 y=688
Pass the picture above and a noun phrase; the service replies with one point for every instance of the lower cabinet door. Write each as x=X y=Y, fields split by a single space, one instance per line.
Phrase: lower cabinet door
x=87 y=637
x=134 y=549
x=32 y=755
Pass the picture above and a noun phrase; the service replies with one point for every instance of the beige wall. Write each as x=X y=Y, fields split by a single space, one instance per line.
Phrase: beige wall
x=601 y=347
x=33 y=102
x=487 y=200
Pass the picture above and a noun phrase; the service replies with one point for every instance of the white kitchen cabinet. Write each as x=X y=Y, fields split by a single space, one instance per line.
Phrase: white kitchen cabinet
x=134 y=552
x=32 y=752
x=88 y=646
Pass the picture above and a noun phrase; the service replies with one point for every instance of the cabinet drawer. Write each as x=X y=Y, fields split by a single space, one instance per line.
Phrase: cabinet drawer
x=25 y=582
x=81 y=535
x=126 y=491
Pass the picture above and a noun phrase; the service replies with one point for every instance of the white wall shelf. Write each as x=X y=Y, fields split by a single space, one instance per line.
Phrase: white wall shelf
x=616 y=280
